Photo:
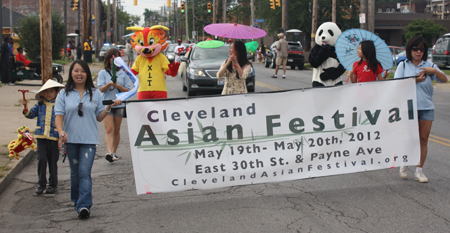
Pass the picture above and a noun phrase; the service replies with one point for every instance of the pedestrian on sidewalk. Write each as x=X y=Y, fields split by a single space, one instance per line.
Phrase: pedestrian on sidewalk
x=5 y=54
x=235 y=69
x=417 y=65
x=110 y=88
x=79 y=51
x=78 y=109
x=282 y=55
x=46 y=135
x=87 y=52
x=129 y=53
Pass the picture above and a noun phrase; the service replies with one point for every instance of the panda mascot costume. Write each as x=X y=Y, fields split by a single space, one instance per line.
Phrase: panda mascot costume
x=327 y=69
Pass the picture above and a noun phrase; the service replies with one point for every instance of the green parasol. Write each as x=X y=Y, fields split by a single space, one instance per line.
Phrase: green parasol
x=251 y=46
x=210 y=44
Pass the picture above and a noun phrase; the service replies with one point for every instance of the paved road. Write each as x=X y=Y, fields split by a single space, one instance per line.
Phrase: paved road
x=377 y=201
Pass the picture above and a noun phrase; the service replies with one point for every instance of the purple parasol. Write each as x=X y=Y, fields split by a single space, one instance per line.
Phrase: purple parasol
x=234 y=31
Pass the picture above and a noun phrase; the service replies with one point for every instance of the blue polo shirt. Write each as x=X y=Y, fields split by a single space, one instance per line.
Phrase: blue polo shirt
x=122 y=79
x=424 y=89
x=80 y=129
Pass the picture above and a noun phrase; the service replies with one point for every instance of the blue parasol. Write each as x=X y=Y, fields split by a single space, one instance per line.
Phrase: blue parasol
x=347 y=48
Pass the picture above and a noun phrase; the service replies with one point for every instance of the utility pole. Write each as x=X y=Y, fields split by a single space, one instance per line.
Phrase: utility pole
x=65 y=24
x=260 y=16
x=224 y=5
x=314 y=23
x=85 y=21
x=252 y=9
x=371 y=16
x=193 y=22
x=287 y=13
x=45 y=12
x=175 y=6
x=108 y=21
x=96 y=28
x=114 y=31
x=1 y=22
x=333 y=12
x=214 y=11
x=283 y=13
x=187 y=25
x=79 y=20
x=363 y=10
x=10 y=18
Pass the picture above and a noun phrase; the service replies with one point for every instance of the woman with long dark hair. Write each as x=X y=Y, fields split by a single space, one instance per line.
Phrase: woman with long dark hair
x=235 y=69
x=416 y=65
x=110 y=89
x=78 y=108
x=368 y=68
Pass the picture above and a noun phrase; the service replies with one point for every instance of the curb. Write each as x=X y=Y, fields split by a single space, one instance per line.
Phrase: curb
x=16 y=169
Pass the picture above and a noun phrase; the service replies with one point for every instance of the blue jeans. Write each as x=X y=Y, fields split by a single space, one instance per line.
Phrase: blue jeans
x=81 y=158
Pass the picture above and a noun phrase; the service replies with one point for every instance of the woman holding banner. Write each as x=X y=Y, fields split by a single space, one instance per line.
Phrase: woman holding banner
x=235 y=69
x=425 y=71
x=78 y=108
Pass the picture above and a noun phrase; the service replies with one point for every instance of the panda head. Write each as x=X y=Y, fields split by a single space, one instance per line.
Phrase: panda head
x=327 y=33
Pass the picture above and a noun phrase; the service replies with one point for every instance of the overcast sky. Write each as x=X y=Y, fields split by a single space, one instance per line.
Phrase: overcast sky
x=142 y=4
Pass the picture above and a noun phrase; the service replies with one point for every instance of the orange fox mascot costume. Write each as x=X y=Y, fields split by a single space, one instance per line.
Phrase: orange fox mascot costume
x=151 y=65
x=24 y=140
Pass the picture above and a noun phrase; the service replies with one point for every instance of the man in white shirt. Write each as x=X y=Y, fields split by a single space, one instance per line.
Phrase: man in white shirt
x=180 y=48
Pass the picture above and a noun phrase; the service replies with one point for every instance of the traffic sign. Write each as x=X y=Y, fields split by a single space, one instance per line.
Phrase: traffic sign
x=260 y=20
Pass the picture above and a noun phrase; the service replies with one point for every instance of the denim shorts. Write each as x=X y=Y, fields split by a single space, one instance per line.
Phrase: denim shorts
x=117 y=112
x=427 y=115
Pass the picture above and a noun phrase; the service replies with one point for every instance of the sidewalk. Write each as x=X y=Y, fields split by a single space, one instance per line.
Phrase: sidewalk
x=11 y=118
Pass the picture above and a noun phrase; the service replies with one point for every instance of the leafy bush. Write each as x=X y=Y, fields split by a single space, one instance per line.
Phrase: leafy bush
x=28 y=30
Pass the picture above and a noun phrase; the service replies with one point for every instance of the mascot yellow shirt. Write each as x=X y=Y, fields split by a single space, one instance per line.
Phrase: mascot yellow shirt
x=151 y=75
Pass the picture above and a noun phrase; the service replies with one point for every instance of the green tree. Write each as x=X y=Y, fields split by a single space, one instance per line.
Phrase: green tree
x=300 y=15
x=28 y=30
x=428 y=29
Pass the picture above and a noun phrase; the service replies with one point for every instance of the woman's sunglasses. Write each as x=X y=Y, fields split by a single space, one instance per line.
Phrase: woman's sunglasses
x=80 y=112
x=415 y=49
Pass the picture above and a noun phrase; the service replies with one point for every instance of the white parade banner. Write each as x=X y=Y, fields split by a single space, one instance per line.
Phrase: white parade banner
x=221 y=141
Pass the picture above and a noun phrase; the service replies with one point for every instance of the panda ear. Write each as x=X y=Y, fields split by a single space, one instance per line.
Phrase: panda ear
x=339 y=25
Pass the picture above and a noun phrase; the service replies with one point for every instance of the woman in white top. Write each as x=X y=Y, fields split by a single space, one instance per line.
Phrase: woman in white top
x=235 y=69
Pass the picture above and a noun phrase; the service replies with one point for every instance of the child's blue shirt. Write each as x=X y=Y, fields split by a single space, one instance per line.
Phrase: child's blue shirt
x=45 y=126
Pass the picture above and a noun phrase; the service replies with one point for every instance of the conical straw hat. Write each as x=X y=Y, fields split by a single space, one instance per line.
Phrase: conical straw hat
x=49 y=84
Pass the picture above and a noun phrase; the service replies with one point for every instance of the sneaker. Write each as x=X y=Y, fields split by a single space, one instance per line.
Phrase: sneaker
x=40 y=190
x=115 y=157
x=419 y=176
x=404 y=172
x=273 y=76
x=284 y=76
x=51 y=190
x=109 y=157
x=84 y=213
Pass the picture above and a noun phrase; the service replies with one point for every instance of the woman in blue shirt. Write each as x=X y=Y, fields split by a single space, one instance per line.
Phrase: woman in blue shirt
x=109 y=89
x=417 y=65
x=78 y=108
